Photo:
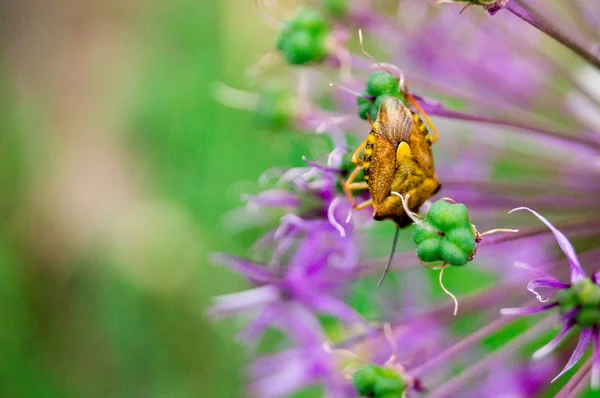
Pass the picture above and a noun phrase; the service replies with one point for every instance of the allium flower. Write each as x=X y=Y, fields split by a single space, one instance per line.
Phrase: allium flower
x=513 y=87
x=579 y=304
x=310 y=284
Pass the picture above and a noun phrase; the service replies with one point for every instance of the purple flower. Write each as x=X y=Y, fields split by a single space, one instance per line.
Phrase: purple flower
x=307 y=363
x=311 y=283
x=578 y=301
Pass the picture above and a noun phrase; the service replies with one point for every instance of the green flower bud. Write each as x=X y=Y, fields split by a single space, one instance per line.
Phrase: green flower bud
x=463 y=238
x=423 y=231
x=429 y=250
x=453 y=255
x=587 y=293
x=447 y=216
x=303 y=39
x=445 y=235
x=302 y=48
x=388 y=384
x=567 y=299
x=381 y=83
x=377 y=381
x=588 y=317
x=364 y=107
x=310 y=21
x=364 y=379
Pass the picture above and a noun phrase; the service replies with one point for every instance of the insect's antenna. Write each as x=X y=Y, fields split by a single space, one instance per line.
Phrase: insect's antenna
x=414 y=103
x=353 y=92
x=266 y=15
x=497 y=230
x=387 y=267
x=391 y=69
x=446 y=290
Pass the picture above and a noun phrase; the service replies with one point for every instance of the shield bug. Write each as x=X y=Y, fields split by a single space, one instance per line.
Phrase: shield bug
x=397 y=158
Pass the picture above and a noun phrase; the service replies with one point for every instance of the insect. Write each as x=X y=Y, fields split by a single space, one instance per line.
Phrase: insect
x=397 y=160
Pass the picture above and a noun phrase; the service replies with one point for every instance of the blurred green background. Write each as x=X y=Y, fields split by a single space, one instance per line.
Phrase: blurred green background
x=116 y=168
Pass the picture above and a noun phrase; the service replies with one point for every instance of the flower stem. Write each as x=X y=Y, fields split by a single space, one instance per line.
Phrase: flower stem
x=575 y=380
x=461 y=345
x=528 y=15
x=450 y=387
x=456 y=115
x=576 y=226
x=469 y=303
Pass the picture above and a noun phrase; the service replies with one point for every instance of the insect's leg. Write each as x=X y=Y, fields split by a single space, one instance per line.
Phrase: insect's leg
x=349 y=185
x=423 y=192
x=414 y=103
x=357 y=186
x=355 y=159
x=363 y=205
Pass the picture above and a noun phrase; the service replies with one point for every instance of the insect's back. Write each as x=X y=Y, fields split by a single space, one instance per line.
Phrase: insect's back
x=420 y=144
x=393 y=125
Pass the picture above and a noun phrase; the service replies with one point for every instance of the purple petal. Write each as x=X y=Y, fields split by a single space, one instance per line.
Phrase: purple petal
x=290 y=377
x=548 y=348
x=549 y=283
x=596 y=360
x=331 y=216
x=253 y=330
x=582 y=344
x=526 y=310
x=250 y=270
x=301 y=325
x=321 y=167
x=242 y=302
x=274 y=198
x=333 y=306
x=577 y=272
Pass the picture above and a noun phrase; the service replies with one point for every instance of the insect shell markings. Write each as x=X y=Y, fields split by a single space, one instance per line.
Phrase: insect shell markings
x=398 y=158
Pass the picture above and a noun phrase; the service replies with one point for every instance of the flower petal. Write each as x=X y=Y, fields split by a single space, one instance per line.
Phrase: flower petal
x=548 y=348
x=333 y=306
x=526 y=310
x=542 y=282
x=596 y=360
x=242 y=302
x=248 y=269
x=255 y=328
x=582 y=344
x=331 y=216
x=273 y=198
x=577 y=272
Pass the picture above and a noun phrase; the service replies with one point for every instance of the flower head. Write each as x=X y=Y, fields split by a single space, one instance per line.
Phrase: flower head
x=578 y=302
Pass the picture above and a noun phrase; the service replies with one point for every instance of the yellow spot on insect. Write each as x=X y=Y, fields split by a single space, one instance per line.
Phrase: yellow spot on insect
x=403 y=150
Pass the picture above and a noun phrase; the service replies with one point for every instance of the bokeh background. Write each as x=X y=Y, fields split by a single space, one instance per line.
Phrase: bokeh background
x=116 y=168
x=118 y=173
